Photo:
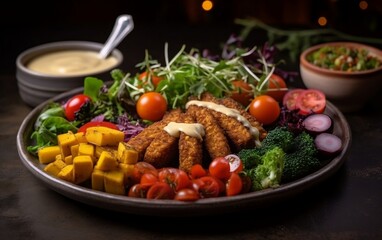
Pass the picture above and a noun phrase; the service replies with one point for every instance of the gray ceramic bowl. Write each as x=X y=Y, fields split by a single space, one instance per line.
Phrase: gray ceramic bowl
x=349 y=91
x=36 y=87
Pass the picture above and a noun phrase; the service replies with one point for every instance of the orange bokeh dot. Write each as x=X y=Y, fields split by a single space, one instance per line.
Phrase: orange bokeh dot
x=207 y=5
x=322 y=21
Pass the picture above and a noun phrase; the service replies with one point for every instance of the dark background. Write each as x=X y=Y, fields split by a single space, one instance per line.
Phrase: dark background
x=25 y=24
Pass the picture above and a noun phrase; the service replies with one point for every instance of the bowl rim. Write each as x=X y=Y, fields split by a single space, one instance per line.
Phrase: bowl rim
x=62 y=45
x=373 y=50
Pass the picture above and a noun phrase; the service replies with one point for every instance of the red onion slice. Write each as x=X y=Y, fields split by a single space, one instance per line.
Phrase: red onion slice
x=318 y=123
x=328 y=144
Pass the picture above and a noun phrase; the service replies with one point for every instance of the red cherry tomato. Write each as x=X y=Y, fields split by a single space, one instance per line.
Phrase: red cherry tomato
x=146 y=76
x=149 y=178
x=220 y=168
x=243 y=92
x=246 y=183
x=141 y=168
x=265 y=109
x=234 y=185
x=187 y=194
x=311 y=101
x=290 y=98
x=277 y=87
x=235 y=163
x=94 y=124
x=151 y=106
x=160 y=190
x=74 y=104
x=197 y=171
x=138 y=190
x=177 y=179
x=207 y=187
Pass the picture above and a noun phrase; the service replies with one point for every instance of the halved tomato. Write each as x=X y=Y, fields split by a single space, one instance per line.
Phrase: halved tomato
x=290 y=98
x=311 y=101
x=96 y=124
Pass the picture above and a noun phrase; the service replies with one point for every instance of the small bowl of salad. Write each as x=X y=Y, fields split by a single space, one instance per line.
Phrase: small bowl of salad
x=349 y=73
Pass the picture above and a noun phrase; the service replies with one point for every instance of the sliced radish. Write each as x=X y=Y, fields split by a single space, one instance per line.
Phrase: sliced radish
x=318 y=123
x=328 y=144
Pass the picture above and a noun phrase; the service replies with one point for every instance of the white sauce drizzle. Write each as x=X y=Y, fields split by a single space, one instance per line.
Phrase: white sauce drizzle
x=229 y=112
x=191 y=129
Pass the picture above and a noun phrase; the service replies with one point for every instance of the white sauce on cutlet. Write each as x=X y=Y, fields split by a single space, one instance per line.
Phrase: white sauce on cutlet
x=191 y=129
x=229 y=112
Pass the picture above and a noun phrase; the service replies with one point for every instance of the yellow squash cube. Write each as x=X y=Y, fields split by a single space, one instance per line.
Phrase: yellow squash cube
x=114 y=182
x=127 y=154
x=82 y=168
x=67 y=173
x=104 y=136
x=98 y=180
x=48 y=154
x=107 y=161
x=65 y=141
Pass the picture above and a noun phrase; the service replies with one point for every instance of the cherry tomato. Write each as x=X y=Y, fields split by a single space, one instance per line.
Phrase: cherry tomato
x=246 y=183
x=141 y=168
x=177 y=179
x=219 y=168
x=74 y=104
x=290 y=98
x=243 y=92
x=235 y=163
x=145 y=75
x=265 y=109
x=151 y=106
x=234 y=185
x=138 y=190
x=94 y=124
x=187 y=194
x=160 y=190
x=277 y=87
x=311 y=101
x=207 y=187
x=149 y=178
x=197 y=171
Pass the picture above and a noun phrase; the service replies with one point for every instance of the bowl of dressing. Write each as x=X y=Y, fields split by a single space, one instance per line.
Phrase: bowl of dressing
x=47 y=70
x=349 y=73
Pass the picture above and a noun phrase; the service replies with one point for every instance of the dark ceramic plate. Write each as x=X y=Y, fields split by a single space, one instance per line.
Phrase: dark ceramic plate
x=208 y=206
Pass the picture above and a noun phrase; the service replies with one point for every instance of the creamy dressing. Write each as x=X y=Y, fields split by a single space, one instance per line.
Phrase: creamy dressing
x=229 y=112
x=191 y=129
x=70 y=62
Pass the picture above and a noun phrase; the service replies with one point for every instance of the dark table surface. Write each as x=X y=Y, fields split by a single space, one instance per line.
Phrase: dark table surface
x=345 y=206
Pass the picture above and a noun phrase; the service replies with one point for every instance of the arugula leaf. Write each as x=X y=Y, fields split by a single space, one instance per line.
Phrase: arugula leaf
x=92 y=87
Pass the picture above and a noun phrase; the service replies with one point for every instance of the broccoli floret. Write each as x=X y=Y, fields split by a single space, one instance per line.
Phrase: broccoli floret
x=268 y=173
x=303 y=160
x=279 y=136
x=250 y=157
x=298 y=165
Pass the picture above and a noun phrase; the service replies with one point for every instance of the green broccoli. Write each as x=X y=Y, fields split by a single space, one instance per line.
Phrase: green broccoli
x=269 y=171
x=302 y=160
x=250 y=157
x=279 y=136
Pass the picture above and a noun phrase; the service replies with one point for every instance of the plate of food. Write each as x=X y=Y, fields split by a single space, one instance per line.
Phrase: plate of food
x=184 y=139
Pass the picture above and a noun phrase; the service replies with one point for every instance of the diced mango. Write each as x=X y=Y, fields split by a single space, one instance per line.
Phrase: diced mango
x=98 y=180
x=127 y=170
x=80 y=136
x=48 y=154
x=65 y=141
x=127 y=154
x=104 y=136
x=86 y=149
x=82 y=168
x=114 y=182
x=59 y=163
x=67 y=173
x=52 y=169
x=107 y=161
x=68 y=159
x=74 y=150
x=100 y=149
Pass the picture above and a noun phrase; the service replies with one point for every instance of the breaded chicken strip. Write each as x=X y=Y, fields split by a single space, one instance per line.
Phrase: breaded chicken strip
x=141 y=141
x=237 y=133
x=215 y=141
x=163 y=149
x=190 y=147
x=229 y=102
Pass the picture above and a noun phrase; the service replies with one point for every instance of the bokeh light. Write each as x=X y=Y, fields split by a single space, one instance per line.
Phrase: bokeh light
x=322 y=21
x=207 y=5
x=363 y=5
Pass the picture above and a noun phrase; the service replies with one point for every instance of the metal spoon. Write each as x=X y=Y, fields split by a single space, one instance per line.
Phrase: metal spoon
x=123 y=26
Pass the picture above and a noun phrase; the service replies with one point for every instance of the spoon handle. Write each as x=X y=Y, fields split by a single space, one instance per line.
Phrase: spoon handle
x=123 y=26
